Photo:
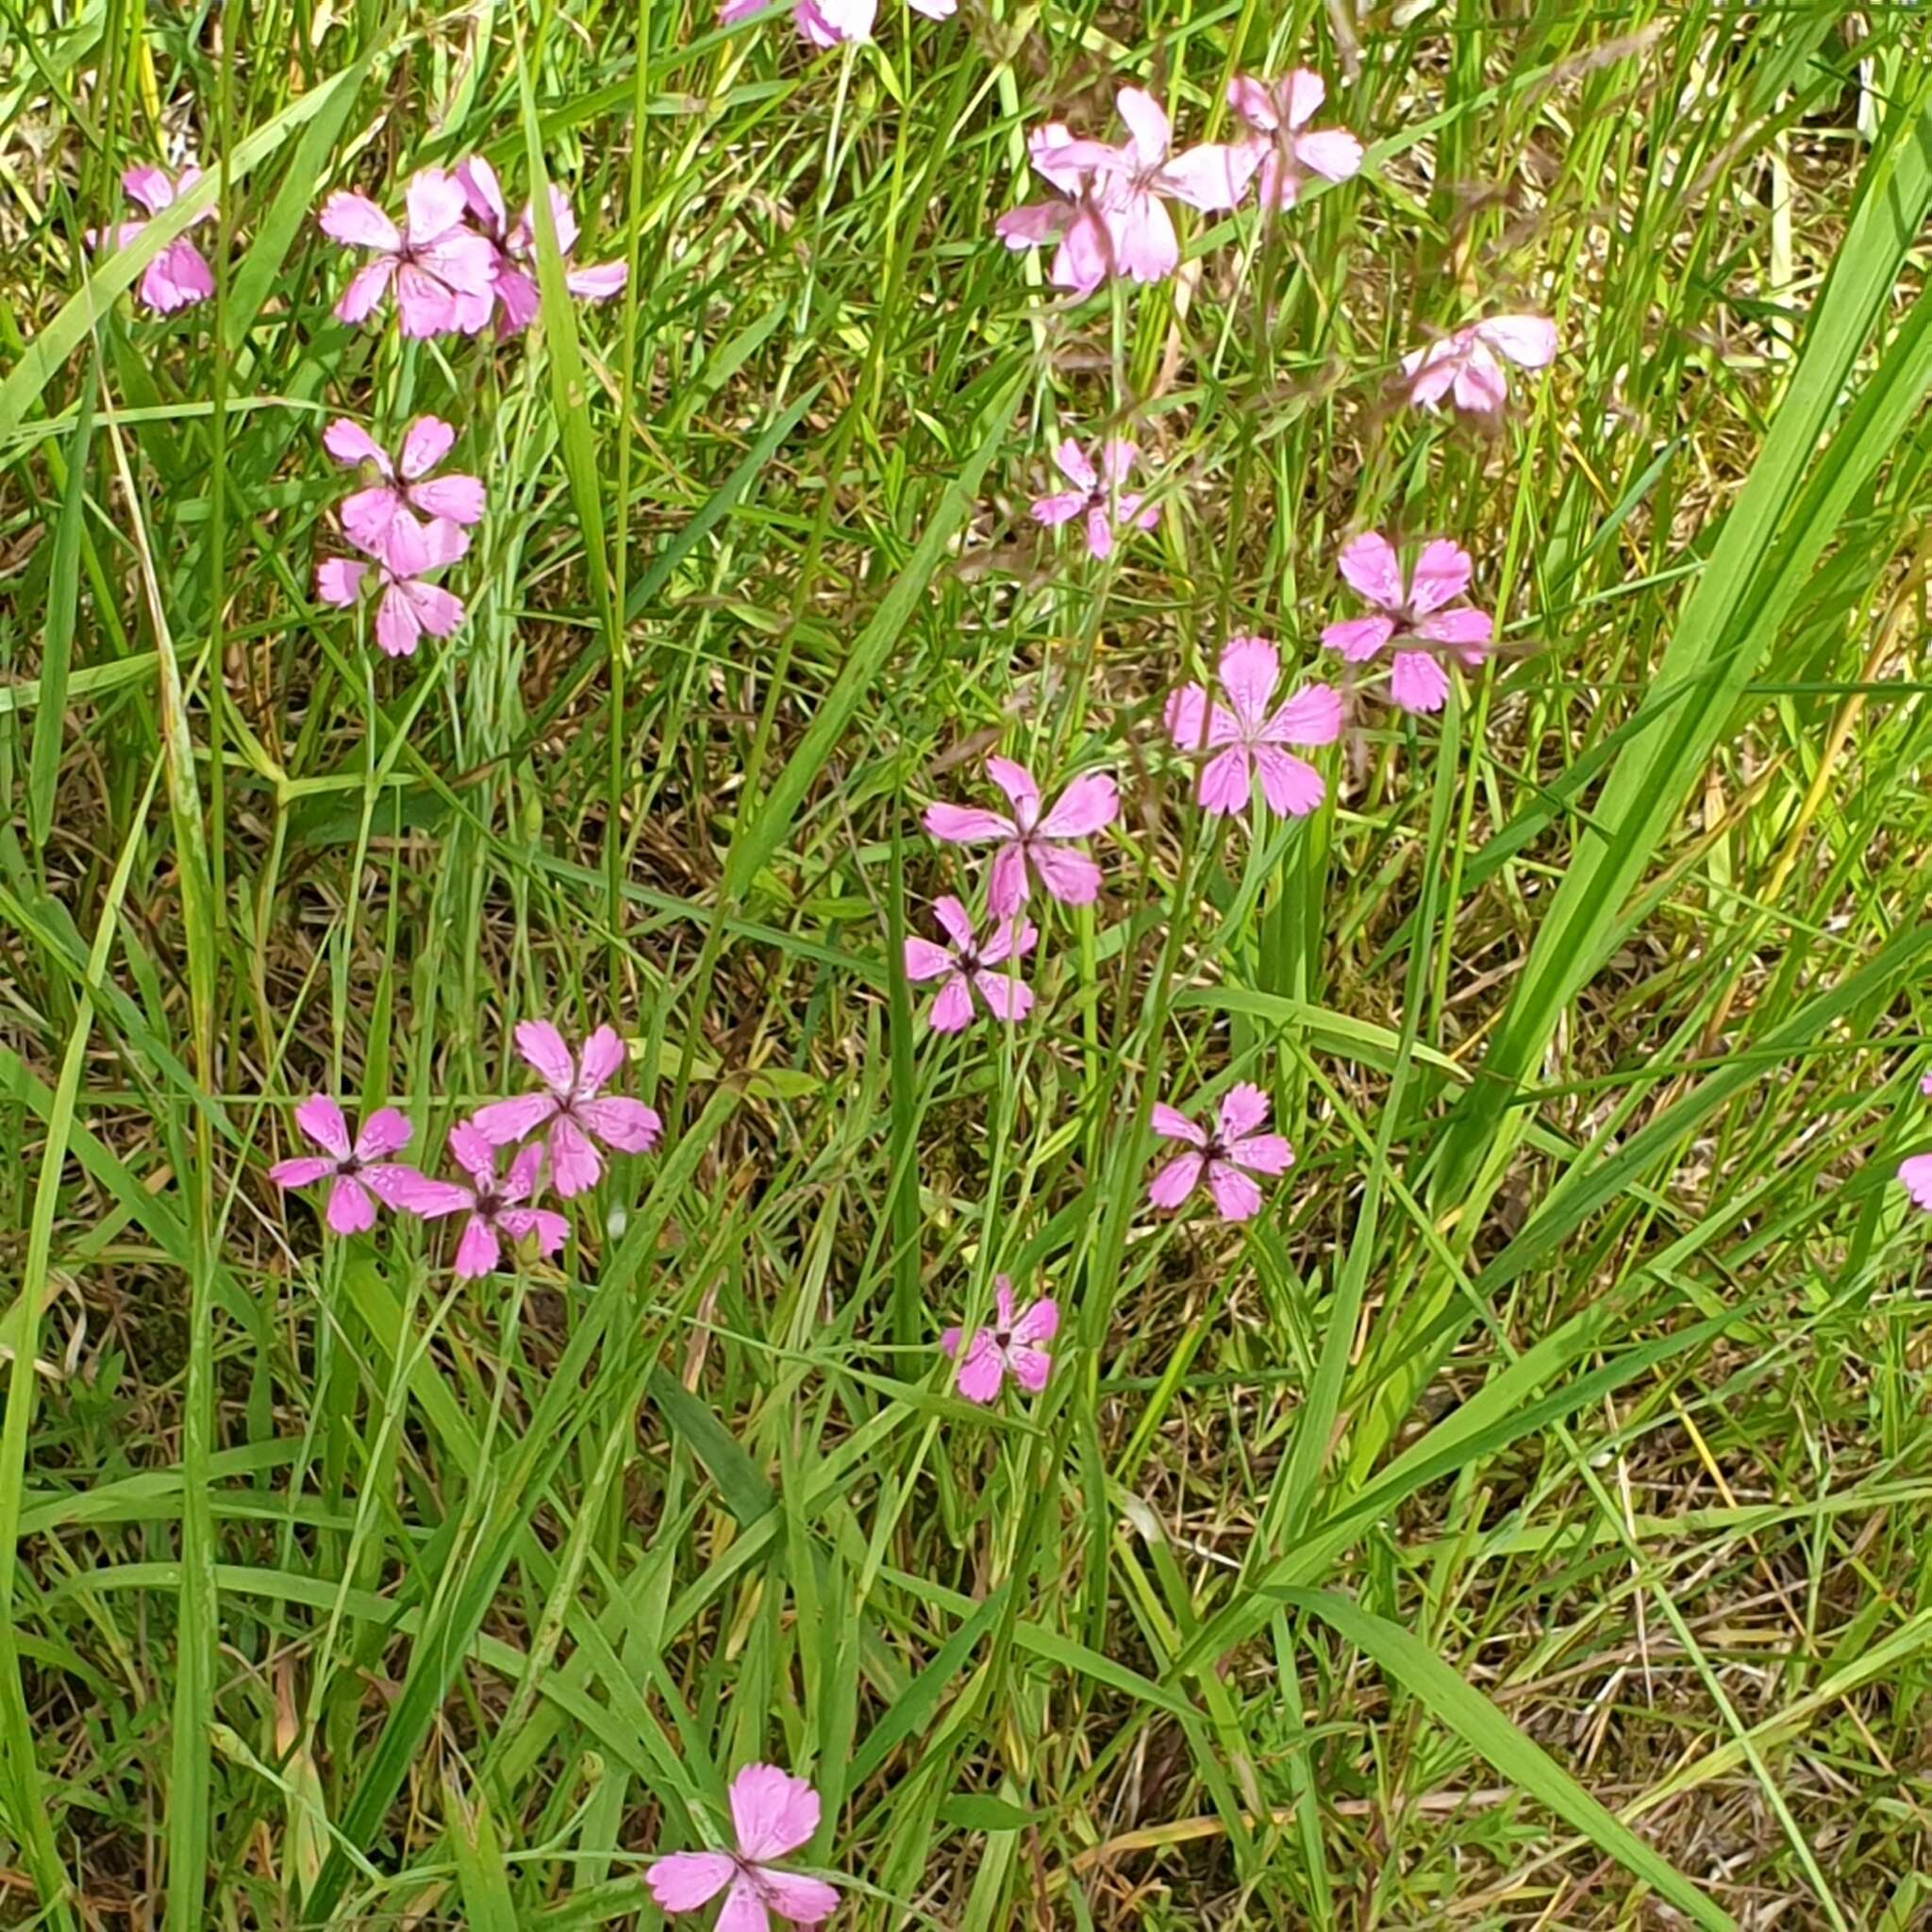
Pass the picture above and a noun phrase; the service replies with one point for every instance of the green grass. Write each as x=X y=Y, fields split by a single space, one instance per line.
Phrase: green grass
x=1523 y=1522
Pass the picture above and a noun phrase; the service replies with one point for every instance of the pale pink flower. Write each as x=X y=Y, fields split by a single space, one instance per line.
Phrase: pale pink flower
x=441 y=270
x=1916 y=1172
x=1232 y=1147
x=966 y=964
x=408 y=607
x=822 y=23
x=514 y=245
x=362 y=1173
x=179 y=275
x=1415 y=616
x=1247 y=733
x=772 y=1813
x=498 y=1205
x=1032 y=840
x=1926 y=1084
x=1097 y=495
x=574 y=1109
x=407 y=486
x=1114 y=219
x=1008 y=1347
x=1464 y=366
x=1292 y=151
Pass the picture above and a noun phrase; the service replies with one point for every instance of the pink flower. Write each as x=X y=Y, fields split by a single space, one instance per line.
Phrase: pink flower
x=571 y=1108
x=1290 y=150
x=1031 y=840
x=407 y=486
x=1251 y=734
x=495 y=1204
x=1926 y=1084
x=1463 y=366
x=179 y=275
x=965 y=965
x=772 y=1813
x=1917 y=1174
x=1234 y=1145
x=360 y=1170
x=1411 y=616
x=1007 y=1348
x=409 y=608
x=1113 y=219
x=510 y=245
x=824 y=23
x=1108 y=509
x=441 y=269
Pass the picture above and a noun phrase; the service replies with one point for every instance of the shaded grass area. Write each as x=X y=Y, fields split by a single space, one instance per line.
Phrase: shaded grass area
x=1524 y=1518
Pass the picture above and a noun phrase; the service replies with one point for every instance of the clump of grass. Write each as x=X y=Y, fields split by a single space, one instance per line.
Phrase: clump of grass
x=1518 y=1518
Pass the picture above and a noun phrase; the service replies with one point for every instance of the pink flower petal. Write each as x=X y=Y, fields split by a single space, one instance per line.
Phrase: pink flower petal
x=549 y=1229
x=1033 y=224
x=1176 y=1181
x=303 y=1172
x=321 y=1120
x=473 y=1148
x=1141 y=233
x=1053 y=510
x=177 y=278
x=477 y=1252
x=401 y=1187
x=150 y=187
x=1224 y=783
x=1008 y=882
x=436 y=205
x=506 y=1121
x=351 y=1210
x=598 y=281
x=1312 y=716
x=1172 y=1124
x=686 y=1880
x=425 y=307
x=1242 y=1109
x=1006 y=998
x=1085 y=257
x=350 y=443
x=1372 y=569
x=772 y=1812
x=1147 y=125
x=1214 y=176
x=1247 y=672
x=1442 y=575
x=1332 y=153
x=1015 y=937
x=1916 y=1173
x=385 y=1131
x=1016 y=781
x=953 y=920
x=952 y=1009
x=983 y=1369
x=1235 y=1194
x=1070 y=876
x=356 y=221
x=961 y=825
x=1039 y=1322
x=1480 y=385
x=1254 y=101
x=451 y=499
x=1030 y=1366
x=622 y=1123
x=603 y=1057
x=575 y=1162
x=1090 y=801
x=425 y=442
x=1417 y=681
x=1358 y=638
x=1263 y=1154
x=483 y=193
x=398 y=628
x=365 y=290
x=1465 y=626
x=792 y=1895
x=337 y=580
x=1291 y=786
x=927 y=961
x=1099 y=533
x=1528 y=340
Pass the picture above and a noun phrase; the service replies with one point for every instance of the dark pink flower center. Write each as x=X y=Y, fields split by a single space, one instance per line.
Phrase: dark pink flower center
x=349 y=1164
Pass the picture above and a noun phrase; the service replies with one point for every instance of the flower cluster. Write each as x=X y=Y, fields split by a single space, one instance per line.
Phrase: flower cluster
x=555 y=1133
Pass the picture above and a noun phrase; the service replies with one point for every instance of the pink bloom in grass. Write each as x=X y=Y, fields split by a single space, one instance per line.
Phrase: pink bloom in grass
x=407 y=486
x=1231 y=1154
x=498 y=1205
x=574 y=1109
x=1247 y=733
x=1008 y=1347
x=363 y=1172
x=1292 y=151
x=409 y=608
x=772 y=1813
x=1916 y=1173
x=441 y=270
x=967 y=963
x=822 y=23
x=1030 y=841
x=1417 y=616
x=1097 y=495
x=179 y=275
x=513 y=244
x=1113 y=219
x=1465 y=366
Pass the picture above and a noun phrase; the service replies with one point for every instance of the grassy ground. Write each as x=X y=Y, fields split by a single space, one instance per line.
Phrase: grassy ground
x=1523 y=1522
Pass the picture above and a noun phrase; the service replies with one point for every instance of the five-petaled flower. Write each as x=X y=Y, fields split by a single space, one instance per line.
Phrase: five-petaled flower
x=1032 y=840
x=966 y=964
x=574 y=1109
x=443 y=270
x=408 y=607
x=1230 y=1155
x=498 y=1205
x=179 y=275
x=772 y=1813
x=1415 y=616
x=514 y=245
x=1009 y=1346
x=1097 y=495
x=1465 y=366
x=407 y=487
x=363 y=1171
x=1246 y=735
x=1292 y=151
